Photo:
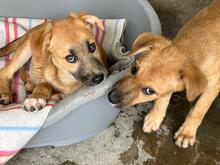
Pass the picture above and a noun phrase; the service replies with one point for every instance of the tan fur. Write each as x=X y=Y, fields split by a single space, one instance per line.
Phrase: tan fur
x=11 y=47
x=191 y=61
x=25 y=77
x=48 y=44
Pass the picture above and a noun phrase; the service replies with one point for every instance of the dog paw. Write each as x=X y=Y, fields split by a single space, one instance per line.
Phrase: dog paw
x=5 y=98
x=152 y=123
x=5 y=92
x=34 y=104
x=185 y=136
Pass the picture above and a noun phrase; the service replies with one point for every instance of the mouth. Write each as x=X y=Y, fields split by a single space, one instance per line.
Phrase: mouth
x=91 y=73
x=119 y=105
x=88 y=84
x=93 y=81
x=116 y=105
x=115 y=99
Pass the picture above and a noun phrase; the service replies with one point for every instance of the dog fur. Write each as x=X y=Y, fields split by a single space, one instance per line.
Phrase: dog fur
x=190 y=61
x=49 y=44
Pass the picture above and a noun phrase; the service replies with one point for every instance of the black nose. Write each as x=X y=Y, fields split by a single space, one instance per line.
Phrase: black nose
x=98 y=79
x=113 y=97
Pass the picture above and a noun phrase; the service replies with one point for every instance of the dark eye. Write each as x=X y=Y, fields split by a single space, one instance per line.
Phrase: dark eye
x=148 y=91
x=71 y=58
x=133 y=70
x=91 y=47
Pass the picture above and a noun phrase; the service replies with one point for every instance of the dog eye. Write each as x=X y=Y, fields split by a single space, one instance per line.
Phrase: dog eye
x=133 y=70
x=148 y=91
x=91 y=47
x=71 y=58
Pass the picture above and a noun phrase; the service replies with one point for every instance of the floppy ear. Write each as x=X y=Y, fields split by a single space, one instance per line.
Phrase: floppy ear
x=47 y=35
x=42 y=37
x=91 y=20
x=195 y=81
x=146 y=42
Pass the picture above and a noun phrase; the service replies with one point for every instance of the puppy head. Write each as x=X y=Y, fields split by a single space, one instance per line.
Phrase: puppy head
x=160 y=70
x=73 y=48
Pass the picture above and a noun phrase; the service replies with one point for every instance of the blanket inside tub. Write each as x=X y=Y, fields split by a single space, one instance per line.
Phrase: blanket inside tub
x=17 y=126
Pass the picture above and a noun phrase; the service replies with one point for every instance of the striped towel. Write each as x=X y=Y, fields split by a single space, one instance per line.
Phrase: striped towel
x=17 y=126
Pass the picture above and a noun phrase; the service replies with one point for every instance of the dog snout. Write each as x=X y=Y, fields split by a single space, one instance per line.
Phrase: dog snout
x=114 y=97
x=97 y=79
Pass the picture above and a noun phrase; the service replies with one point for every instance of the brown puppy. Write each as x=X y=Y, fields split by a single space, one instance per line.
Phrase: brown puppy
x=191 y=61
x=64 y=54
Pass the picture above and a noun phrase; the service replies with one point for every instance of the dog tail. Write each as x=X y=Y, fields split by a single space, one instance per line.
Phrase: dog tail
x=11 y=47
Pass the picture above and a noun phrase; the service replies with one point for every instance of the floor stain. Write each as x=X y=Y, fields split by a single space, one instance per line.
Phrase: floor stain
x=161 y=144
x=129 y=156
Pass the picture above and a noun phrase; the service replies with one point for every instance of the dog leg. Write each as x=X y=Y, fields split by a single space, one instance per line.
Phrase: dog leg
x=25 y=77
x=38 y=99
x=155 y=117
x=186 y=134
x=21 y=56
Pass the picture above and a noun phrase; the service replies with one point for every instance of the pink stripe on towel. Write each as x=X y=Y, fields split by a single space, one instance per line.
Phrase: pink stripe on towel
x=8 y=108
x=103 y=33
x=12 y=108
x=97 y=34
x=16 y=76
x=4 y=153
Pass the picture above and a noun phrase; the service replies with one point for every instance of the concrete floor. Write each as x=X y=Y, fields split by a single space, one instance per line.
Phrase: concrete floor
x=124 y=142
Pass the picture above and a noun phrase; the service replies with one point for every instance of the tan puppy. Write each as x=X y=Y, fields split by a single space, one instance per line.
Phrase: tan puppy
x=64 y=54
x=191 y=61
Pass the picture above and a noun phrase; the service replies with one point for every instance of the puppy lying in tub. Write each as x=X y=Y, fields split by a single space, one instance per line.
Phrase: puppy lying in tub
x=64 y=54
x=191 y=61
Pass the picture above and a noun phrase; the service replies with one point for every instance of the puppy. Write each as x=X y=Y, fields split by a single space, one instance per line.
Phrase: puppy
x=65 y=57
x=191 y=61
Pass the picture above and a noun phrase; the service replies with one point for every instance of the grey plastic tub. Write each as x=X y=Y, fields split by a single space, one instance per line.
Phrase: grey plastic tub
x=92 y=117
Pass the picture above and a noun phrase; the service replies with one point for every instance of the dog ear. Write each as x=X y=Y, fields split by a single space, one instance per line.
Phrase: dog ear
x=147 y=42
x=41 y=38
x=195 y=81
x=91 y=20
x=47 y=35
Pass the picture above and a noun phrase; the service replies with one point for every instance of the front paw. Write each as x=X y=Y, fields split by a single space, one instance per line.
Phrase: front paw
x=34 y=104
x=5 y=98
x=185 y=136
x=5 y=92
x=152 y=122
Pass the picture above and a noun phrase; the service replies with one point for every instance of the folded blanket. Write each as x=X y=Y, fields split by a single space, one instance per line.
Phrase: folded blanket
x=17 y=126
